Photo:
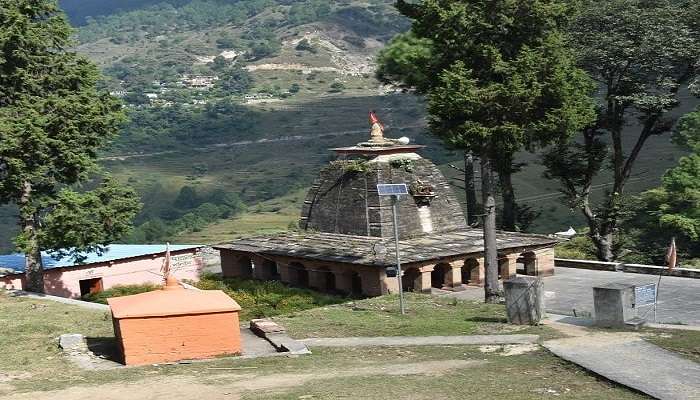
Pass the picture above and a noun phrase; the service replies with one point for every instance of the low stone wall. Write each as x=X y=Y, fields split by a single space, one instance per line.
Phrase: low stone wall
x=631 y=268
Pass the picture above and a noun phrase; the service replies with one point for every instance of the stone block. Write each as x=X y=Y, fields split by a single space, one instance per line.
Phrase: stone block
x=613 y=304
x=524 y=300
x=262 y=327
x=72 y=342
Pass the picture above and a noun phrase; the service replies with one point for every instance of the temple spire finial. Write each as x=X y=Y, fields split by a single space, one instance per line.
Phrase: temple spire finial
x=376 y=135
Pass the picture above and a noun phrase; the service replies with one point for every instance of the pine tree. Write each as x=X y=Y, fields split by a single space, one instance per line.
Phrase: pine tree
x=498 y=78
x=53 y=122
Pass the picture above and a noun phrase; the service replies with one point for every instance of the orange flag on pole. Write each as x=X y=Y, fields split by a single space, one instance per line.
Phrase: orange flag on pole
x=671 y=255
x=166 y=263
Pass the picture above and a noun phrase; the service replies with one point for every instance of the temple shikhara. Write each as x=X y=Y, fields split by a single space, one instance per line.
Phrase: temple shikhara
x=346 y=237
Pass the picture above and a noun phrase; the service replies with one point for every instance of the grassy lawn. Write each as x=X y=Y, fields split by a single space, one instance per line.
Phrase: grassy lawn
x=686 y=343
x=426 y=315
x=31 y=362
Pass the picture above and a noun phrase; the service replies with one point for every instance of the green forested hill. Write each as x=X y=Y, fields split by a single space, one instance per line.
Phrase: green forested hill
x=234 y=103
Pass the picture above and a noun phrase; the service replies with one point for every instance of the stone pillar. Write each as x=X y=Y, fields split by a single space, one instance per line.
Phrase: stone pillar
x=475 y=268
x=545 y=262
x=343 y=281
x=371 y=282
x=234 y=265
x=524 y=300
x=317 y=279
x=389 y=284
x=285 y=273
x=258 y=269
x=423 y=282
x=453 y=277
x=507 y=267
x=530 y=263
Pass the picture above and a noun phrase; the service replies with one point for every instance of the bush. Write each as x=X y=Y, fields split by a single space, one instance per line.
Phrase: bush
x=259 y=299
x=119 y=291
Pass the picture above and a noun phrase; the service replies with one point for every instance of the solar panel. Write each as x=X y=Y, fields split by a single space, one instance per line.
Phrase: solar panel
x=392 y=189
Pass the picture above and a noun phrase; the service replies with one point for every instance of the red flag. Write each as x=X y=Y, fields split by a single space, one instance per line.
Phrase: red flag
x=373 y=119
x=671 y=255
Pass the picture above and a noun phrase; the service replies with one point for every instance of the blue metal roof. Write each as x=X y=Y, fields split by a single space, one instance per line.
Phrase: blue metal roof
x=114 y=252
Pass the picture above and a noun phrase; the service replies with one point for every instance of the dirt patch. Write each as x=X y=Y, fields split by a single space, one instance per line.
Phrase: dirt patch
x=509 y=349
x=232 y=386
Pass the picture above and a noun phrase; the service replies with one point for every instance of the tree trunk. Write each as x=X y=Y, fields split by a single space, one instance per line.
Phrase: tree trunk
x=33 y=268
x=604 y=247
x=470 y=188
x=508 y=193
x=491 y=289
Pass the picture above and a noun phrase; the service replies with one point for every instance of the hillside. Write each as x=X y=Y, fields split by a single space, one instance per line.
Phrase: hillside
x=234 y=103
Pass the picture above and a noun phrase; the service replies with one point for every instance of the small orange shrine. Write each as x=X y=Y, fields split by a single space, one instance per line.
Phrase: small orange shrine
x=175 y=324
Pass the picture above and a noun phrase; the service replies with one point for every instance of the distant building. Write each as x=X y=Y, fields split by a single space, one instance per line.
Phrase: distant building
x=151 y=96
x=199 y=81
x=121 y=264
x=118 y=93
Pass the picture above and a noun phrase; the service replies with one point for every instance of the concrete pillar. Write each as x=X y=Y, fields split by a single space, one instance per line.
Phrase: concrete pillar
x=453 y=276
x=507 y=267
x=475 y=269
x=545 y=261
x=423 y=282
x=235 y=265
x=524 y=300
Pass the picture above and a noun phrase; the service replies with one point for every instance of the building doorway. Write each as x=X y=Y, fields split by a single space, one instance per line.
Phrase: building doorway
x=356 y=284
x=90 y=286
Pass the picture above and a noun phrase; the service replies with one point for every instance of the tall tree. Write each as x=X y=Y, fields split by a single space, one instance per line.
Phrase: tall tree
x=673 y=209
x=52 y=124
x=498 y=77
x=641 y=53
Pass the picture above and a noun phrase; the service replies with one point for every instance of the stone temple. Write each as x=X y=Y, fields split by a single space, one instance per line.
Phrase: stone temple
x=346 y=238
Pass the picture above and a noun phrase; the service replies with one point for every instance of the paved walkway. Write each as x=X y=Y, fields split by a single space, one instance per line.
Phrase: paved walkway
x=631 y=361
x=572 y=289
x=41 y=296
x=419 y=340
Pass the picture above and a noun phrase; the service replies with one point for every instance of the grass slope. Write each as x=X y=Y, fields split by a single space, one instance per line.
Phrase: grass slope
x=31 y=362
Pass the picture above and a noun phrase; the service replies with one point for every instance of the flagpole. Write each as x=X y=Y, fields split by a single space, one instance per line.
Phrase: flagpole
x=656 y=299
x=671 y=257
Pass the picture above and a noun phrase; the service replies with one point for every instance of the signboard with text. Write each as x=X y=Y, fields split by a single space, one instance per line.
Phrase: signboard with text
x=645 y=295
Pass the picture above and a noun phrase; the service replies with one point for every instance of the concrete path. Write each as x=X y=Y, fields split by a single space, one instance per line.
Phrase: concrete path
x=40 y=296
x=631 y=361
x=572 y=289
x=419 y=340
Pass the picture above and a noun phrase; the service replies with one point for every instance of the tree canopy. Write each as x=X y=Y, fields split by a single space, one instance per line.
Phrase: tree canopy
x=498 y=78
x=53 y=122
x=641 y=53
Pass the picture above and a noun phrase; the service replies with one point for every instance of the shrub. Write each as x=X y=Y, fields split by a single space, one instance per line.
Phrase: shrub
x=260 y=299
x=119 y=291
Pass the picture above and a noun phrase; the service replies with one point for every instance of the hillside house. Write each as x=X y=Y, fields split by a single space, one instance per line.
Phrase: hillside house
x=120 y=264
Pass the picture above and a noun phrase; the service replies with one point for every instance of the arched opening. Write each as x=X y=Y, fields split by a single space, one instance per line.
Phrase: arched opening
x=356 y=284
x=408 y=280
x=437 y=276
x=329 y=280
x=529 y=263
x=236 y=266
x=298 y=274
x=470 y=272
x=269 y=271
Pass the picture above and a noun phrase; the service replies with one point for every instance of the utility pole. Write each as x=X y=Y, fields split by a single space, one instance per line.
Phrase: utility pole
x=491 y=292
